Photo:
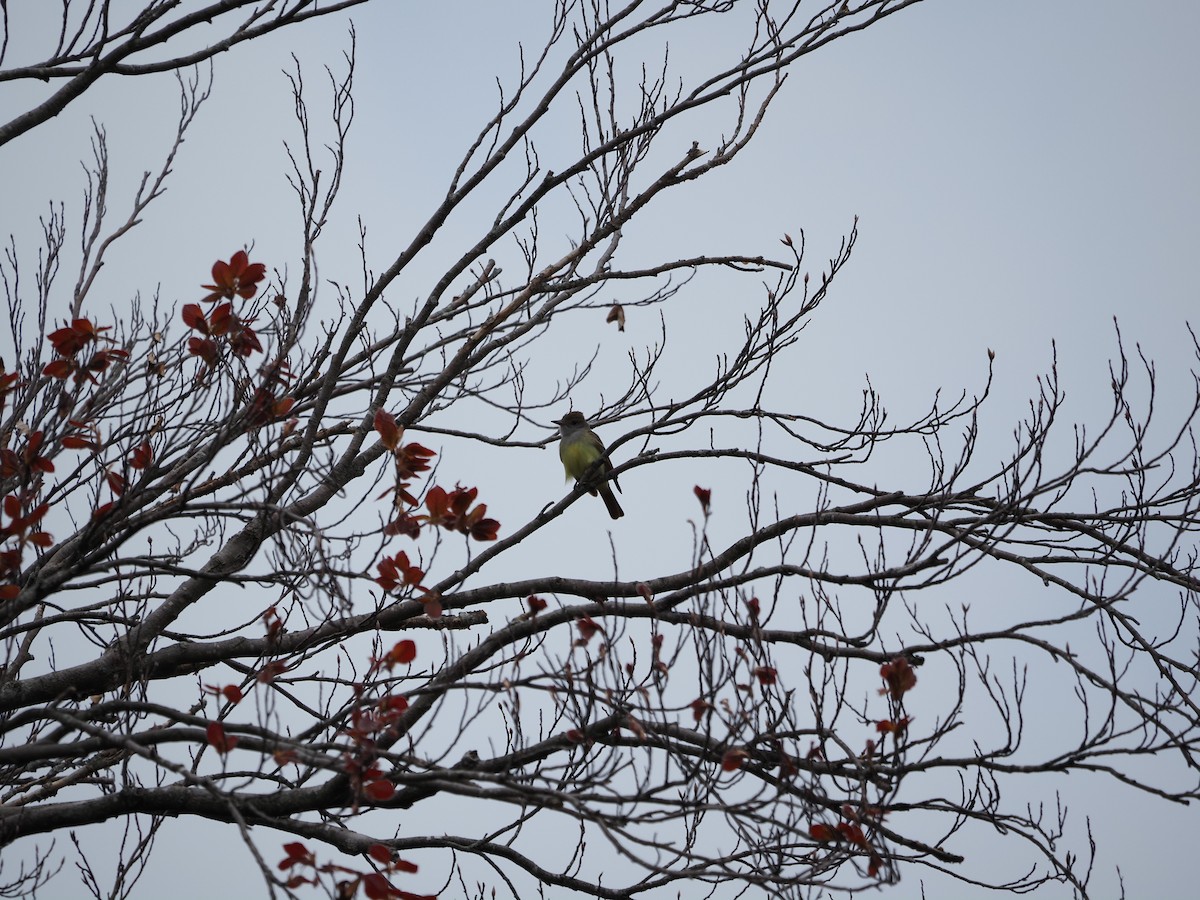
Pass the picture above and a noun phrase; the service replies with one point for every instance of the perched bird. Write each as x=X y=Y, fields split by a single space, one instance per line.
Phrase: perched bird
x=579 y=449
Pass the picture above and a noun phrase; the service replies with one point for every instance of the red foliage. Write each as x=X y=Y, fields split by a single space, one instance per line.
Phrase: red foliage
x=218 y=739
x=230 y=692
x=223 y=323
x=734 y=759
x=395 y=571
x=375 y=885
x=28 y=462
x=766 y=674
x=8 y=381
x=380 y=853
x=23 y=529
x=704 y=495
x=753 y=607
x=271 y=671
x=897 y=727
x=819 y=831
x=404 y=524
x=853 y=834
x=242 y=338
x=273 y=622
x=587 y=629
x=535 y=605
x=297 y=855
x=193 y=317
x=899 y=676
x=413 y=459
x=203 y=348
x=389 y=432
x=402 y=653
x=142 y=456
x=70 y=339
x=237 y=278
x=379 y=790
x=453 y=511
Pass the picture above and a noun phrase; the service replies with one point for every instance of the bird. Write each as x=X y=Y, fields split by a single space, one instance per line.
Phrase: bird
x=580 y=449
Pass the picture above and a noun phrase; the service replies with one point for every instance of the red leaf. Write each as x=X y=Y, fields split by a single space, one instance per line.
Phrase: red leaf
x=116 y=481
x=297 y=854
x=405 y=651
x=273 y=622
x=389 y=432
x=397 y=570
x=76 y=442
x=412 y=459
x=393 y=705
x=380 y=853
x=271 y=671
x=899 y=675
x=218 y=739
x=70 y=340
x=409 y=526
x=238 y=277
x=221 y=319
x=141 y=456
x=243 y=339
x=733 y=759
x=237 y=262
x=704 y=495
x=376 y=887
x=379 y=790
x=587 y=628
x=230 y=692
x=852 y=833
x=484 y=529
x=193 y=317
x=887 y=726
x=437 y=501
x=766 y=674
x=203 y=348
x=700 y=706
x=819 y=831
x=535 y=604
x=59 y=368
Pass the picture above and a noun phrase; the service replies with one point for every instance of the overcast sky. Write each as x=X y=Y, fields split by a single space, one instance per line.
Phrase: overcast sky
x=1022 y=171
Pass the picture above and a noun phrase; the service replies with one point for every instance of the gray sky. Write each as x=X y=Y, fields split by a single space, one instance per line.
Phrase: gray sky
x=1022 y=171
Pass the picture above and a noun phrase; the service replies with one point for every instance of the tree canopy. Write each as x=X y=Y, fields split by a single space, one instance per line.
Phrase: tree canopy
x=252 y=573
